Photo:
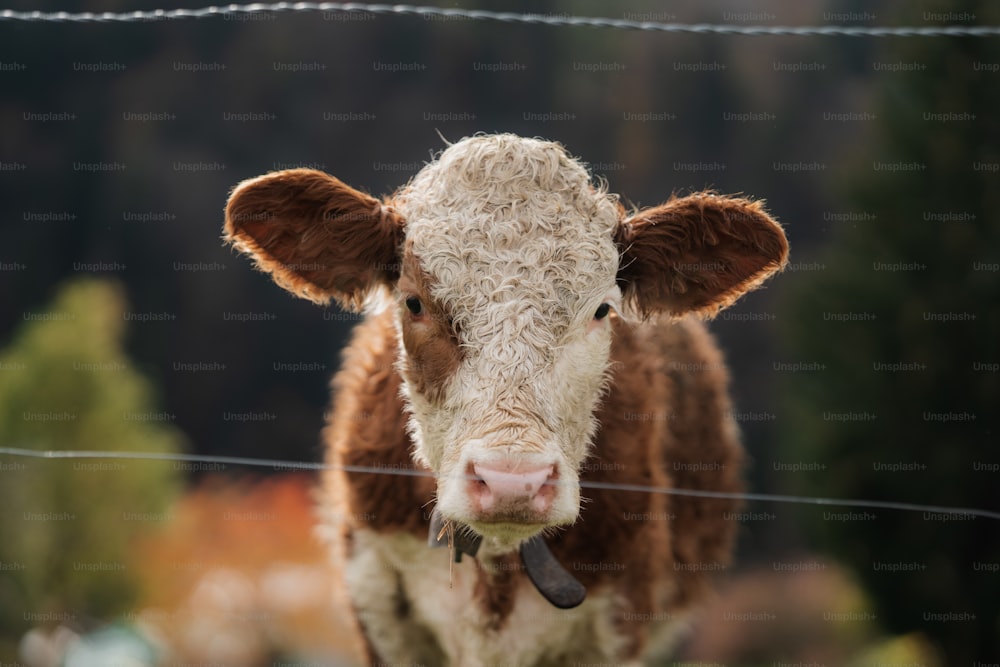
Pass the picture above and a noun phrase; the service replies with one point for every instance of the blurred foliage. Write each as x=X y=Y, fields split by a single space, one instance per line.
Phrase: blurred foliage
x=914 y=270
x=240 y=578
x=763 y=616
x=910 y=649
x=66 y=525
x=816 y=615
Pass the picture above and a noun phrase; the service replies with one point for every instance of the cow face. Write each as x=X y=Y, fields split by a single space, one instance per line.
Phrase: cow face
x=506 y=266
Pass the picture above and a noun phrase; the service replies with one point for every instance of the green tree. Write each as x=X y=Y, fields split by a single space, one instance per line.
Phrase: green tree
x=66 y=525
x=903 y=323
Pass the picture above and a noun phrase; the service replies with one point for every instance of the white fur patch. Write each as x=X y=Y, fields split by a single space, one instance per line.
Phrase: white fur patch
x=518 y=243
x=534 y=633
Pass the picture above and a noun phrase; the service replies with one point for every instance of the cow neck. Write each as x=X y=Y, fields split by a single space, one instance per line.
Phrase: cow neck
x=550 y=578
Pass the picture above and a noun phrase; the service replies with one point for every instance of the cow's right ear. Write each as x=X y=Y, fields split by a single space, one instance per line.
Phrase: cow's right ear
x=316 y=236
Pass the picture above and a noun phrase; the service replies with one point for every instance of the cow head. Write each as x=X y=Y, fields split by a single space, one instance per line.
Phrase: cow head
x=506 y=265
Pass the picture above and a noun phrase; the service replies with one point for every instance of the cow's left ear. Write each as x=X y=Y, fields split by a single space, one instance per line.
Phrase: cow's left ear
x=697 y=254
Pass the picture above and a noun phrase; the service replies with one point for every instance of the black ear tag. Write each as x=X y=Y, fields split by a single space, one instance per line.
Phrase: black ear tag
x=551 y=579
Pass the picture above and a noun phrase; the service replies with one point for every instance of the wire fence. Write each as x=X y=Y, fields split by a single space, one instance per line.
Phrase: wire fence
x=505 y=17
x=276 y=464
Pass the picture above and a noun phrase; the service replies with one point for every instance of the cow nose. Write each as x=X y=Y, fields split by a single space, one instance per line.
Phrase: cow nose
x=506 y=486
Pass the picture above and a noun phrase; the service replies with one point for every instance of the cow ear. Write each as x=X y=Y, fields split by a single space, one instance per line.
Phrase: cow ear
x=316 y=236
x=697 y=254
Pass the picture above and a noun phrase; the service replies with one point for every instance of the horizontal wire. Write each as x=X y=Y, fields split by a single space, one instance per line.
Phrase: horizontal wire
x=507 y=17
x=639 y=488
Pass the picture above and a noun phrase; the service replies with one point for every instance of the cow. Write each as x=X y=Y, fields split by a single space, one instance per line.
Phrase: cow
x=531 y=386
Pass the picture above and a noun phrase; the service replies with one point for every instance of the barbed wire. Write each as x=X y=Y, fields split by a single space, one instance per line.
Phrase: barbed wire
x=277 y=464
x=506 y=17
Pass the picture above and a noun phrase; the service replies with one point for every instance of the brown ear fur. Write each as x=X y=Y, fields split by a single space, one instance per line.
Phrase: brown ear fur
x=697 y=253
x=316 y=236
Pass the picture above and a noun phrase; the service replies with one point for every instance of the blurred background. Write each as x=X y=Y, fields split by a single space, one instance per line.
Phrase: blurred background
x=870 y=369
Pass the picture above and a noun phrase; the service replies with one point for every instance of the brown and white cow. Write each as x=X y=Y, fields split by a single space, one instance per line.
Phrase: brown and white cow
x=527 y=342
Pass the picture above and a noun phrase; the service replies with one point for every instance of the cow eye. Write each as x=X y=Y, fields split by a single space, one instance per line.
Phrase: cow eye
x=414 y=306
x=602 y=311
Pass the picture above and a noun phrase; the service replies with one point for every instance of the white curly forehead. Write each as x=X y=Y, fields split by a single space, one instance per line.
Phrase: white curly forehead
x=503 y=222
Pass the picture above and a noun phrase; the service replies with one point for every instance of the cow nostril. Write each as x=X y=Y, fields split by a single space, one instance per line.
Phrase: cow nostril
x=510 y=484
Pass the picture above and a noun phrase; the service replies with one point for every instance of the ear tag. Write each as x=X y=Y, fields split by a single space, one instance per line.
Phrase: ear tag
x=551 y=579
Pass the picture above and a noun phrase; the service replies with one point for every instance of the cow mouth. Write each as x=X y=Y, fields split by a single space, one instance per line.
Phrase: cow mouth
x=511 y=528
x=501 y=533
x=505 y=530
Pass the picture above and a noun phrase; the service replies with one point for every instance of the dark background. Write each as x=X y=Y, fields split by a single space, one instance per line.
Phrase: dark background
x=807 y=123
